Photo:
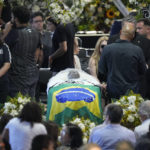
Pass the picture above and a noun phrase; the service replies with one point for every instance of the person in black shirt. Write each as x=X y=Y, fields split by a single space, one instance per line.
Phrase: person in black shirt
x=62 y=56
x=122 y=63
x=5 y=61
x=24 y=45
x=140 y=41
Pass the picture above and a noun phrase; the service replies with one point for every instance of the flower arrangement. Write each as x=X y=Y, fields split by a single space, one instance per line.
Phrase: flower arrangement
x=86 y=126
x=62 y=13
x=130 y=104
x=87 y=14
x=14 y=105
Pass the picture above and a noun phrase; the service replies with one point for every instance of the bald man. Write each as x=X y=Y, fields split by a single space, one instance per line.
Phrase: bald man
x=122 y=63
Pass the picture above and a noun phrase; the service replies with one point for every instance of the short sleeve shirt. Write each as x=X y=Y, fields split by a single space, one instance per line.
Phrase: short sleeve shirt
x=61 y=34
x=23 y=43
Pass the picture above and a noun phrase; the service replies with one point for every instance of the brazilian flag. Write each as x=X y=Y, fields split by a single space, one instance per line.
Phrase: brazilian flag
x=69 y=100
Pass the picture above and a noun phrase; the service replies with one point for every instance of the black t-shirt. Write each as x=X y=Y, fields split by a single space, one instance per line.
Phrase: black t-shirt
x=23 y=43
x=61 y=34
x=5 y=57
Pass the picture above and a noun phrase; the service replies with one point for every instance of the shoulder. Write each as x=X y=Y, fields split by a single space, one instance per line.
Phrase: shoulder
x=126 y=130
x=12 y=122
x=92 y=61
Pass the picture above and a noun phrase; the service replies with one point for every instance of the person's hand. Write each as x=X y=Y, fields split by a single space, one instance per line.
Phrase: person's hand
x=104 y=86
x=7 y=29
x=50 y=61
x=8 y=26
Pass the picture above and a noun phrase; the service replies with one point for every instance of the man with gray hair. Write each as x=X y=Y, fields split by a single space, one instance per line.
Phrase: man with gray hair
x=144 y=113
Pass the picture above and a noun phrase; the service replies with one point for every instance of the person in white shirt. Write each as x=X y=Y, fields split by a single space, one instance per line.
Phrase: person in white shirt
x=144 y=112
x=20 y=131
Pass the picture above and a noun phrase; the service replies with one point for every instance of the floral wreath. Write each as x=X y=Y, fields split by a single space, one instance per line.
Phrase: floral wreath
x=62 y=13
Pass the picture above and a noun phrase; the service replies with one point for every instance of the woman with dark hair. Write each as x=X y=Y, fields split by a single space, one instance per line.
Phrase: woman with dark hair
x=52 y=130
x=21 y=130
x=71 y=137
x=43 y=142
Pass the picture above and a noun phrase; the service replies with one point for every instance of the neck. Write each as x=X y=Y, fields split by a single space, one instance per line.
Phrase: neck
x=123 y=37
x=148 y=36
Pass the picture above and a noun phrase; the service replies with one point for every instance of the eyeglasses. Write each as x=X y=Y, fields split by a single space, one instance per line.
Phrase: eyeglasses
x=102 y=46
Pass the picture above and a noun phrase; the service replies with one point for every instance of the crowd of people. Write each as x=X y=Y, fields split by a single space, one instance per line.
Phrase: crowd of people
x=119 y=62
x=29 y=132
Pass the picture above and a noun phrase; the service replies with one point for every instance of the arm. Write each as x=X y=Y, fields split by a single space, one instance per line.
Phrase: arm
x=92 y=67
x=5 y=134
x=39 y=56
x=4 y=69
x=7 y=29
x=60 y=52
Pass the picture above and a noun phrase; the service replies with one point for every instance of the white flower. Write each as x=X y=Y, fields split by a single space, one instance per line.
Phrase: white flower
x=85 y=140
x=92 y=125
x=81 y=125
x=6 y=111
x=35 y=8
x=107 y=6
x=117 y=103
x=107 y=21
x=132 y=108
x=130 y=118
x=14 y=113
x=7 y=105
x=77 y=121
x=20 y=107
x=132 y=100
x=20 y=100
x=87 y=121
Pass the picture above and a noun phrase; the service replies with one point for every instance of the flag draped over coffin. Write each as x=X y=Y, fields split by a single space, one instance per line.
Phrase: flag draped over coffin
x=66 y=101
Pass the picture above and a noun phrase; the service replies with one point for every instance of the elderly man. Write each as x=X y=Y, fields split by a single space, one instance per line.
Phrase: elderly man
x=122 y=63
x=144 y=112
x=108 y=136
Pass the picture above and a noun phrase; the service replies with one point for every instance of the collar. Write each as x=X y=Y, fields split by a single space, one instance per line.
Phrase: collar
x=122 y=41
x=145 y=121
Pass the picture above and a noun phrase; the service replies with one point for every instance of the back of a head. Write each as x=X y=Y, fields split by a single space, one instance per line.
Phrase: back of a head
x=142 y=144
x=144 y=108
x=124 y=145
x=41 y=142
x=52 y=20
x=90 y=146
x=22 y=14
x=115 y=113
x=31 y=112
x=128 y=30
x=130 y=19
x=52 y=129
x=73 y=74
x=75 y=134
